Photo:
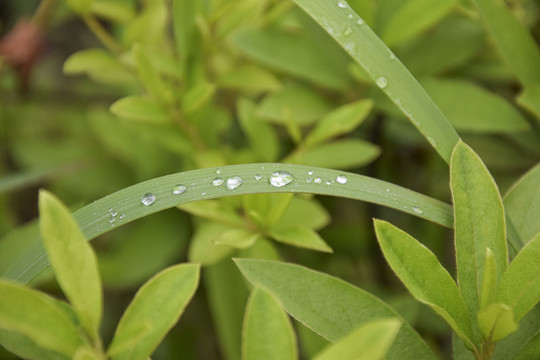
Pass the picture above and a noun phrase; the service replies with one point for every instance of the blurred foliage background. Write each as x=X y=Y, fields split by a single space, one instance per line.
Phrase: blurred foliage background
x=113 y=92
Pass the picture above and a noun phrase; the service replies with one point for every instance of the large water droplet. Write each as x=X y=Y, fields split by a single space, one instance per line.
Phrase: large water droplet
x=317 y=180
x=310 y=172
x=148 y=199
x=359 y=22
x=218 y=181
x=280 y=178
x=328 y=182
x=179 y=189
x=382 y=82
x=417 y=210
x=342 y=179
x=218 y=171
x=342 y=4
x=233 y=182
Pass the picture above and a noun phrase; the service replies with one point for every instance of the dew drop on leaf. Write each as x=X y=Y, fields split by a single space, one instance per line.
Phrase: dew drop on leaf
x=317 y=180
x=342 y=4
x=417 y=210
x=359 y=22
x=218 y=181
x=258 y=177
x=233 y=182
x=280 y=178
x=148 y=199
x=382 y=82
x=179 y=189
x=342 y=179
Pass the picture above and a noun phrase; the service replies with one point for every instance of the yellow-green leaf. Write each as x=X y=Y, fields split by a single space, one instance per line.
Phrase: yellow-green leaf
x=496 y=321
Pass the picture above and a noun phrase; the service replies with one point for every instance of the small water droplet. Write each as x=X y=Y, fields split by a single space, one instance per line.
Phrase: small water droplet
x=350 y=16
x=111 y=209
x=359 y=22
x=233 y=182
x=387 y=190
x=148 y=199
x=218 y=181
x=342 y=4
x=203 y=193
x=114 y=213
x=280 y=178
x=218 y=171
x=310 y=172
x=258 y=177
x=122 y=216
x=179 y=189
x=342 y=179
x=328 y=182
x=112 y=220
x=417 y=210
x=347 y=31
x=317 y=180
x=309 y=180
x=382 y=82
x=432 y=141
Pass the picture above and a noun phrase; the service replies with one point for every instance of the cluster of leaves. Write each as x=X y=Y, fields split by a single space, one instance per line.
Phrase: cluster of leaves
x=202 y=84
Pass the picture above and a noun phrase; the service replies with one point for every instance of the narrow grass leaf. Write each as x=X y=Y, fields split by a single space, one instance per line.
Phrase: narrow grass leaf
x=515 y=43
x=426 y=279
x=329 y=306
x=300 y=237
x=351 y=32
x=267 y=332
x=73 y=261
x=38 y=317
x=371 y=340
x=496 y=321
x=520 y=285
x=140 y=108
x=478 y=223
x=157 y=306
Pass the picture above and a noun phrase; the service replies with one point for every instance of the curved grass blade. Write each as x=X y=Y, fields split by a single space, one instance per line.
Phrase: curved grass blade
x=368 y=50
x=126 y=205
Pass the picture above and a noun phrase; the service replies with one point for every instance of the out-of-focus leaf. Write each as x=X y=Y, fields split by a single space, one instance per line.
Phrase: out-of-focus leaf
x=530 y=99
x=238 y=238
x=267 y=332
x=471 y=108
x=369 y=341
x=240 y=14
x=340 y=121
x=306 y=213
x=148 y=27
x=139 y=108
x=197 y=96
x=39 y=317
x=73 y=261
x=118 y=11
x=530 y=350
x=99 y=65
x=301 y=237
x=496 y=321
x=202 y=248
x=267 y=209
x=80 y=6
x=156 y=307
x=424 y=276
x=184 y=12
x=335 y=307
x=215 y=210
x=149 y=75
x=250 y=78
x=262 y=249
x=295 y=54
x=25 y=348
x=299 y=103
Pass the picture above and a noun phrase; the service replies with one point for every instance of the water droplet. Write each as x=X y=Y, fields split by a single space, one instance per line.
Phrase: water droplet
x=111 y=209
x=432 y=141
x=359 y=22
x=280 y=178
x=203 y=193
x=310 y=172
x=112 y=220
x=342 y=4
x=148 y=199
x=317 y=180
x=342 y=179
x=328 y=182
x=258 y=177
x=233 y=182
x=309 y=180
x=417 y=210
x=382 y=82
x=179 y=189
x=350 y=16
x=347 y=31
x=387 y=190
x=218 y=181
x=218 y=171
x=122 y=216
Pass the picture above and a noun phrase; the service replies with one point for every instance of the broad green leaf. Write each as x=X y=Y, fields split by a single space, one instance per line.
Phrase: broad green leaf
x=496 y=321
x=308 y=213
x=339 y=154
x=489 y=281
x=203 y=249
x=473 y=109
x=310 y=342
x=399 y=27
x=118 y=11
x=266 y=209
x=39 y=317
x=156 y=307
x=262 y=249
x=424 y=276
x=85 y=352
x=329 y=306
x=530 y=99
x=214 y=210
x=267 y=332
x=81 y=7
x=73 y=261
x=369 y=341
x=530 y=350
x=520 y=287
x=522 y=204
x=25 y=348
x=516 y=44
x=478 y=223
x=227 y=297
x=301 y=237
x=148 y=27
x=521 y=341
x=295 y=54
x=261 y=135
x=149 y=75
x=140 y=108
x=340 y=121
x=197 y=96
x=383 y=67
x=299 y=103
x=99 y=65
x=238 y=238
x=249 y=78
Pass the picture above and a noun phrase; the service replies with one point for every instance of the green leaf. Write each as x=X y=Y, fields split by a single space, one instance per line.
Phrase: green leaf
x=99 y=65
x=371 y=340
x=489 y=281
x=80 y=6
x=262 y=137
x=473 y=109
x=351 y=32
x=299 y=103
x=530 y=350
x=148 y=27
x=156 y=307
x=522 y=204
x=197 y=96
x=185 y=30
x=139 y=108
x=516 y=44
x=300 y=237
x=73 y=261
x=238 y=238
x=267 y=209
x=267 y=331
x=214 y=210
x=117 y=11
x=340 y=154
x=39 y=317
x=521 y=341
x=520 y=287
x=496 y=322
x=424 y=277
x=308 y=213
x=249 y=78
x=203 y=248
x=25 y=348
x=329 y=306
x=530 y=99
x=340 y=121
x=478 y=223
x=149 y=75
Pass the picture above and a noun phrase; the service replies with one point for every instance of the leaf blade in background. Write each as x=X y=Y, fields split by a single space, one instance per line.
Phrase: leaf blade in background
x=329 y=306
x=73 y=261
x=530 y=99
x=140 y=108
x=301 y=237
x=339 y=154
x=267 y=331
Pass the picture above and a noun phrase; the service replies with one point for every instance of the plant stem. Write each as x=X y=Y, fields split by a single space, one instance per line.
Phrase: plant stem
x=102 y=34
x=43 y=13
